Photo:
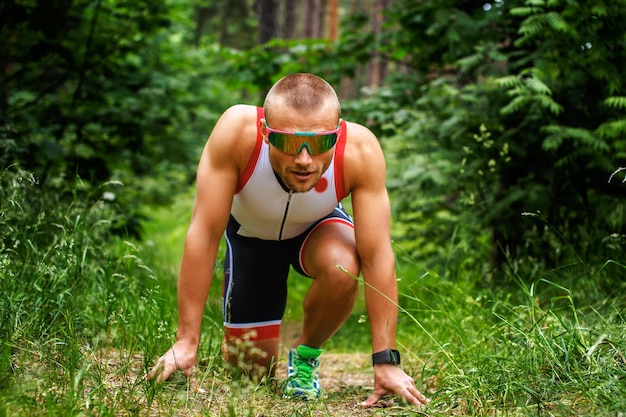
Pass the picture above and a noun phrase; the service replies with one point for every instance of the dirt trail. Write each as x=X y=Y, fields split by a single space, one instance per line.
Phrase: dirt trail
x=346 y=380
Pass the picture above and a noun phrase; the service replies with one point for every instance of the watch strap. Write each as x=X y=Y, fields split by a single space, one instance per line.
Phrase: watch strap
x=388 y=356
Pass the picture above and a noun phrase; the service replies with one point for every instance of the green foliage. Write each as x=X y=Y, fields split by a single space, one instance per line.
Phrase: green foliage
x=84 y=315
x=504 y=136
x=54 y=263
x=120 y=93
x=541 y=83
x=552 y=342
x=71 y=292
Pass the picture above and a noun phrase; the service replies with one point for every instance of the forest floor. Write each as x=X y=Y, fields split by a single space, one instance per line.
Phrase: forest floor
x=346 y=380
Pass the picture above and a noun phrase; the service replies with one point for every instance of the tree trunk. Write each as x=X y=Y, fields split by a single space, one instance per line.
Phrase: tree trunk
x=373 y=68
x=312 y=19
x=333 y=20
x=267 y=11
x=289 y=19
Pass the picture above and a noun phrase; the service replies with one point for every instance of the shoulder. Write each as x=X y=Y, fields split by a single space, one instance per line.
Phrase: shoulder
x=364 y=160
x=239 y=113
x=238 y=123
x=234 y=135
x=361 y=138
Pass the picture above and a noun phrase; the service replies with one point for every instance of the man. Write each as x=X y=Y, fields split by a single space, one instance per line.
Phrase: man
x=272 y=180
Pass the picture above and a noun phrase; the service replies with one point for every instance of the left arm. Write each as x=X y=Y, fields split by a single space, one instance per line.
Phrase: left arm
x=372 y=213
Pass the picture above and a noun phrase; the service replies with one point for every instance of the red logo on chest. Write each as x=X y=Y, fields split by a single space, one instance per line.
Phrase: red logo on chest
x=321 y=185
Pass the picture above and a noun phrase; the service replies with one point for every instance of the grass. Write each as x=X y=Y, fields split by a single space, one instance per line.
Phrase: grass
x=85 y=314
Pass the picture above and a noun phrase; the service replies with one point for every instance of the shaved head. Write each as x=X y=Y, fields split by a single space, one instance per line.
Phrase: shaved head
x=302 y=93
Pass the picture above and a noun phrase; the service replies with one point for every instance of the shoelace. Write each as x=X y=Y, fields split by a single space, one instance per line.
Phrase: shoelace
x=305 y=367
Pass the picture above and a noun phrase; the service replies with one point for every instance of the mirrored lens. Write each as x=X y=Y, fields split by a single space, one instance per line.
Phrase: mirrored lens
x=293 y=144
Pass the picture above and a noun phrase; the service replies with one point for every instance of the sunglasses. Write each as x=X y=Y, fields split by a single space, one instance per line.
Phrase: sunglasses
x=292 y=142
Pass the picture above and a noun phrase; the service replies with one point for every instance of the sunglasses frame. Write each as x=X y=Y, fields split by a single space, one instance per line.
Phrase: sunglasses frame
x=272 y=139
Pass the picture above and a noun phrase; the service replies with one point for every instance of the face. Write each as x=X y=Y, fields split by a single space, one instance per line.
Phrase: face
x=300 y=172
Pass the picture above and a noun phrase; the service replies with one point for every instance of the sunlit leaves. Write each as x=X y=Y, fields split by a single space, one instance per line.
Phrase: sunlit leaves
x=526 y=89
x=618 y=102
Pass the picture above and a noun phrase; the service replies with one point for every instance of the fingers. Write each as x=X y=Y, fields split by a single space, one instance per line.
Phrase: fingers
x=410 y=393
x=413 y=396
x=166 y=366
x=162 y=370
x=371 y=400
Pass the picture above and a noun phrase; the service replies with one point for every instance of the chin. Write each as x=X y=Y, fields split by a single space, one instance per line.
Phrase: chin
x=301 y=188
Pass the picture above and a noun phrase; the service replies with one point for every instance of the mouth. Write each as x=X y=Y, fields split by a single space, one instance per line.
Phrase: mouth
x=302 y=176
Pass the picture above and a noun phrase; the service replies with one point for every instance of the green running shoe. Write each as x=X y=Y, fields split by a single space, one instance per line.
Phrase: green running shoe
x=302 y=373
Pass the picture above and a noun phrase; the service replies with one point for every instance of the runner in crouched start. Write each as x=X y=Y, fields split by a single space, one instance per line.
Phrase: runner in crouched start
x=272 y=180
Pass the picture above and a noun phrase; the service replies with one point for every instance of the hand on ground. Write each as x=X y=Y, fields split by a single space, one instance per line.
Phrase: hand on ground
x=181 y=357
x=391 y=379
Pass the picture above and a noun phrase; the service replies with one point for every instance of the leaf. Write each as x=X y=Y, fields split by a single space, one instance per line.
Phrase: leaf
x=599 y=10
x=617 y=102
x=556 y=22
x=530 y=27
x=548 y=102
x=584 y=137
x=613 y=129
x=516 y=104
x=536 y=85
x=508 y=81
x=523 y=11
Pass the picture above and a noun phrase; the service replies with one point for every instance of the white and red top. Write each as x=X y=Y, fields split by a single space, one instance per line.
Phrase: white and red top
x=266 y=210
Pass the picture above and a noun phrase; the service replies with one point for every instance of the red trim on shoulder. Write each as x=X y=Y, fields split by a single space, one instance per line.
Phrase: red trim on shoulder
x=339 y=152
x=249 y=169
x=252 y=333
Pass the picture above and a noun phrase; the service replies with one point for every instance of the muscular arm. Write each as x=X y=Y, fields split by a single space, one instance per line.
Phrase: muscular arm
x=218 y=172
x=371 y=207
x=216 y=182
x=372 y=213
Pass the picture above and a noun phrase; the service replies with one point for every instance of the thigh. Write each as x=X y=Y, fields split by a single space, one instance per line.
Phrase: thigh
x=255 y=285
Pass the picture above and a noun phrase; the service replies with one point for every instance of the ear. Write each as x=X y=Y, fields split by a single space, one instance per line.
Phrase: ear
x=263 y=128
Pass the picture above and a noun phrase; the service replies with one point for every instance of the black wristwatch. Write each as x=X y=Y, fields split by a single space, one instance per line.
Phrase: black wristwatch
x=389 y=356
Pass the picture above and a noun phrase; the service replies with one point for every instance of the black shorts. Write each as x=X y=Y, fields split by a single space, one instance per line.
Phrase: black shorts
x=254 y=294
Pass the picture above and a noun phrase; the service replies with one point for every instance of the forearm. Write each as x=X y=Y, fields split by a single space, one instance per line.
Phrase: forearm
x=381 y=300
x=194 y=282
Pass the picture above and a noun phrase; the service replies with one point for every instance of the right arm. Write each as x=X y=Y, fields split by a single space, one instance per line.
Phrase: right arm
x=216 y=181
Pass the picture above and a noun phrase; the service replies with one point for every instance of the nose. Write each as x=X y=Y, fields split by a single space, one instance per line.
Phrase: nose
x=304 y=157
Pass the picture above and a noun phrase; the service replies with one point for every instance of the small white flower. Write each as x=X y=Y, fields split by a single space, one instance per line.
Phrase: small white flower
x=108 y=196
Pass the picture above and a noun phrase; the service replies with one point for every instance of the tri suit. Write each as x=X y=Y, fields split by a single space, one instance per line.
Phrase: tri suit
x=267 y=232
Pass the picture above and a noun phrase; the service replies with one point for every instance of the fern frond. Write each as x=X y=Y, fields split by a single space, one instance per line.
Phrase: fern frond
x=531 y=26
x=585 y=137
x=524 y=11
x=537 y=86
x=556 y=22
x=613 y=129
x=554 y=140
x=616 y=102
x=548 y=102
x=536 y=3
x=517 y=91
x=599 y=10
x=471 y=61
x=567 y=160
x=508 y=81
x=514 y=105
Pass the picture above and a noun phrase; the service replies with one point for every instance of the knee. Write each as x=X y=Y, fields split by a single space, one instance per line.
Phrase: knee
x=344 y=281
x=346 y=266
